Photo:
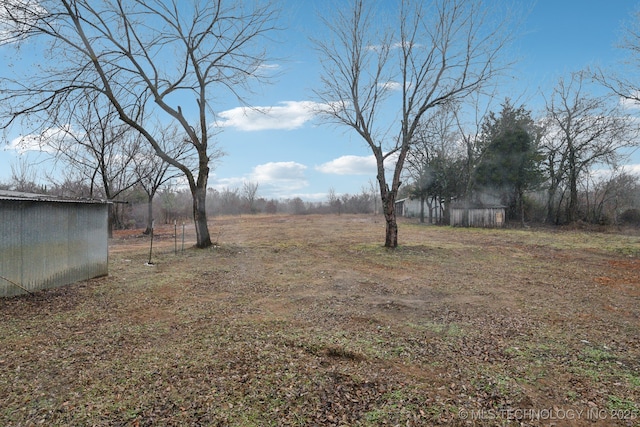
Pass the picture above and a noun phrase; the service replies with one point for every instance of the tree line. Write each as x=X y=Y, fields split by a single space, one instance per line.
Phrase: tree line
x=563 y=167
x=134 y=208
x=613 y=199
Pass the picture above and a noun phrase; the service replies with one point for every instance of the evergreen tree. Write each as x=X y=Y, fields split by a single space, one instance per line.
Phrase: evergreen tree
x=510 y=165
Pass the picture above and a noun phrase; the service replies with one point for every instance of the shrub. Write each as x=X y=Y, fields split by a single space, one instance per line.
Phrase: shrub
x=630 y=217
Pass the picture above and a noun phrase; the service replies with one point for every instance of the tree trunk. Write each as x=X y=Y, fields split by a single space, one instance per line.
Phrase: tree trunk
x=521 y=206
x=559 y=209
x=446 y=215
x=551 y=195
x=421 y=209
x=116 y=217
x=149 y=214
x=572 y=208
x=391 y=237
x=430 y=203
x=203 y=239
x=389 y=208
x=110 y=220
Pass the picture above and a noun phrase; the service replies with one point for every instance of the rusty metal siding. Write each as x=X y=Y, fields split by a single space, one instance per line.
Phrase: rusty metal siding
x=44 y=244
x=478 y=217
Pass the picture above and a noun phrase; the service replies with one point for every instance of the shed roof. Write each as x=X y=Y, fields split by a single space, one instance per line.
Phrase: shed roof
x=34 y=197
x=476 y=205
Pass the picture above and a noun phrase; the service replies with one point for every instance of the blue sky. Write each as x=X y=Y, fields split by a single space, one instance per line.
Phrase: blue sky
x=289 y=153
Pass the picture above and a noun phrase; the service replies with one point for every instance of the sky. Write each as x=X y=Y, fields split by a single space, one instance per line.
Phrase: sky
x=290 y=153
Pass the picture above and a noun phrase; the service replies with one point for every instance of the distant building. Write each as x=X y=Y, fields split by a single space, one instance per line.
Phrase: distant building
x=47 y=242
x=410 y=208
x=477 y=215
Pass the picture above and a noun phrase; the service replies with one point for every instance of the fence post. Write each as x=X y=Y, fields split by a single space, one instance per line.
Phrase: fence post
x=182 y=236
x=153 y=222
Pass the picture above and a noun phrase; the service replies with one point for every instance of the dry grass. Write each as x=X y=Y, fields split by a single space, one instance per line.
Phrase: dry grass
x=307 y=320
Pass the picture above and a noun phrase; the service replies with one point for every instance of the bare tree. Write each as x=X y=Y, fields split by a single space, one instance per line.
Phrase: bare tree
x=228 y=201
x=90 y=141
x=335 y=204
x=623 y=79
x=249 y=192
x=152 y=172
x=110 y=155
x=434 y=162
x=610 y=195
x=163 y=58
x=24 y=177
x=432 y=54
x=581 y=131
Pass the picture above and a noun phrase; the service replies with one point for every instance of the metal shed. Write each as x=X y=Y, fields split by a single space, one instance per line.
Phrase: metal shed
x=47 y=242
x=410 y=208
x=478 y=216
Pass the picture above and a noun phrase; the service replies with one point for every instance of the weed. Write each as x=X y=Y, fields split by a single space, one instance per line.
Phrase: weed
x=633 y=380
x=597 y=355
x=615 y=403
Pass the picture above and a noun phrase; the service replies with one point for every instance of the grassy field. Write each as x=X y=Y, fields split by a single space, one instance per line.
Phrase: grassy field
x=308 y=320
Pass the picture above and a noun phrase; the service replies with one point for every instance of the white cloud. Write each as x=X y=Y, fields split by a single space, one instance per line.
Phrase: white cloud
x=604 y=173
x=274 y=179
x=391 y=85
x=41 y=143
x=26 y=12
x=269 y=67
x=287 y=174
x=309 y=197
x=633 y=169
x=631 y=104
x=287 y=115
x=350 y=165
x=232 y=182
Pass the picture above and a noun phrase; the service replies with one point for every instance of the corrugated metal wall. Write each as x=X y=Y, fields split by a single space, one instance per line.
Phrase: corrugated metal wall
x=411 y=209
x=44 y=244
x=478 y=217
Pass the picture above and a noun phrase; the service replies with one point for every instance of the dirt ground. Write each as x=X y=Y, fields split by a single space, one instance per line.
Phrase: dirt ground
x=308 y=320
